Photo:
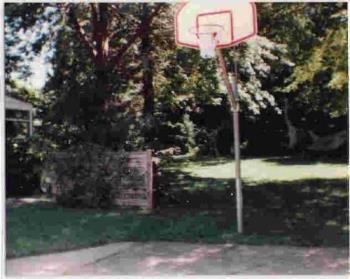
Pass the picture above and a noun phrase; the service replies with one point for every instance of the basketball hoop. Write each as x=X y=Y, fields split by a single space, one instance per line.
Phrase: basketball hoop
x=210 y=26
x=208 y=37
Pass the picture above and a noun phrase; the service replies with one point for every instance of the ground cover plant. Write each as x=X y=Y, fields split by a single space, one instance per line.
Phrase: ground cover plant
x=196 y=205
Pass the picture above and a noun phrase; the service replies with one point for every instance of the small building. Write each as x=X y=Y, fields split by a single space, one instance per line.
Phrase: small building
x=19 y=116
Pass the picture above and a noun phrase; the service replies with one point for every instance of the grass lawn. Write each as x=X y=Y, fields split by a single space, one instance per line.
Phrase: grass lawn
x=285 y=202
x=304 y=200
x=261 y=170
x=46 y=227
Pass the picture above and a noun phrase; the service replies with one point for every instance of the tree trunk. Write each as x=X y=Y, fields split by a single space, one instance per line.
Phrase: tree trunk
x=102 y=92
x=292 y=130
x=147 y=78
x=148 y=66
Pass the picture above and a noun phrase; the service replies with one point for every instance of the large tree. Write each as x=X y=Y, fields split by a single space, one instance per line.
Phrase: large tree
x=93 y=51
x=106 y=32
x=113 y=59
x=316 y=88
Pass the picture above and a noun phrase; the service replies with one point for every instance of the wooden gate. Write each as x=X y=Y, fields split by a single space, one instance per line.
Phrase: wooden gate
x=136 y=187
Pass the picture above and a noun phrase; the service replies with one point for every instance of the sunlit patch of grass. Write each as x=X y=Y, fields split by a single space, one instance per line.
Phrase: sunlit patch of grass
x=261 y=170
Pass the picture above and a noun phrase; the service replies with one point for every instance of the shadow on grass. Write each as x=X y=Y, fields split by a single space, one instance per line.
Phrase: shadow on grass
x=308 y=212
x=305 y=212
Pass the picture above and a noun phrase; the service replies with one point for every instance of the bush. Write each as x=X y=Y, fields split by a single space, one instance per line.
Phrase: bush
x=85 y=175
x=22 y=167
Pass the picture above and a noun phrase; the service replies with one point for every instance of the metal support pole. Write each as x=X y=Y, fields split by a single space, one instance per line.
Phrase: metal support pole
x=235 y=115
x=239 y=195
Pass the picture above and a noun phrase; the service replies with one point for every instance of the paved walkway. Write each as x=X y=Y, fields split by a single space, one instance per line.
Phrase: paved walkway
x=174 y=258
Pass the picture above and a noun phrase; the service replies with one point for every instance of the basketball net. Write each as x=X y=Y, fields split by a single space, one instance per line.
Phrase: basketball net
x=207 y=43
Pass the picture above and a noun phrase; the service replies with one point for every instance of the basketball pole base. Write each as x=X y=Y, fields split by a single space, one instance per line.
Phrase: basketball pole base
x=235 y=121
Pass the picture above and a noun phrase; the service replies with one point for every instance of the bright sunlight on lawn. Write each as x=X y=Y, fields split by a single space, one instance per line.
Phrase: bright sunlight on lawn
x=263 y=170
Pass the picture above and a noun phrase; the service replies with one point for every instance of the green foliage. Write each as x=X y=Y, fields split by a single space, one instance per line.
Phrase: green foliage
x=22 y=167
x=84 y=176
x=257 y=60
x=37 y=20
x=329 y=51
x=18 y=90
x=180 y=133
x=22 y=161
x=300 y=53
x=75 y=105
x=186 y=84
x=316 y=36
x=183 y=75
x=188 y=130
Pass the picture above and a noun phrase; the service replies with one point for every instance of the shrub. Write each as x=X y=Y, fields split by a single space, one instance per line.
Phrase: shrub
x=22 y=167
x=85 y=175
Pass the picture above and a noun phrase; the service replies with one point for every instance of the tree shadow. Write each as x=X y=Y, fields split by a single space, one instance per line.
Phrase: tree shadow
x=310 y=212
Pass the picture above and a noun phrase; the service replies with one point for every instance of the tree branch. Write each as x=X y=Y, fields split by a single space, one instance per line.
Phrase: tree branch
x=94 y=20
x=114 y=8
x=82 y=35
x=138 y=34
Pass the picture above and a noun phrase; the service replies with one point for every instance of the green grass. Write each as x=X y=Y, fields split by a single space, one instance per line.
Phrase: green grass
x=286 y=201
x=42 y=228
x=262 y=170
x=303 y=200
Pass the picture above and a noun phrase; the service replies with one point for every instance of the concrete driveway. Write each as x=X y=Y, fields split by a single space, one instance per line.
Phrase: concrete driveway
x=174 y=258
